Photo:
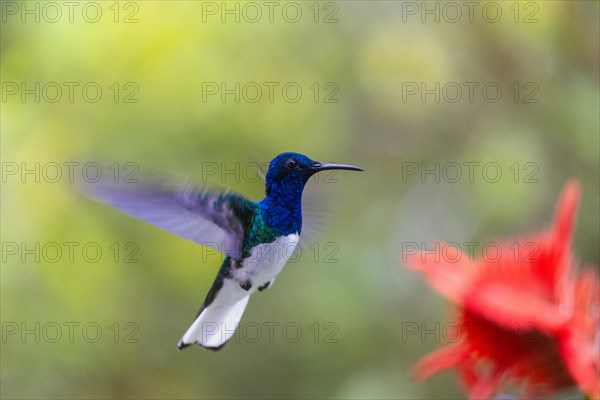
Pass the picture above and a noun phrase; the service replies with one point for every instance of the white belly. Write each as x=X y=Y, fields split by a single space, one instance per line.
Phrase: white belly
x=266 y=261
x=218 y=321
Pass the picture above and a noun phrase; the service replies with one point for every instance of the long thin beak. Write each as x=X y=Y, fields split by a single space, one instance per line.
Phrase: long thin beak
x=316 y=167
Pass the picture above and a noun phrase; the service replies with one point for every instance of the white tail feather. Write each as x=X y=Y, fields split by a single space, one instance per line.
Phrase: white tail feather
x=215 y=325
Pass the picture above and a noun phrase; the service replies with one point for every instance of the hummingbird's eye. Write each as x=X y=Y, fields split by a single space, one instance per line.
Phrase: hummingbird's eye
x=291 y=164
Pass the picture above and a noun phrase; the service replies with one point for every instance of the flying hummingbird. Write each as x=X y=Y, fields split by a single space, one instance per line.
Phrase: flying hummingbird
x=256 y=237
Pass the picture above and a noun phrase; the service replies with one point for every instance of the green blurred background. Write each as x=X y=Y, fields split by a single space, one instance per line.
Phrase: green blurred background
x=370 y=54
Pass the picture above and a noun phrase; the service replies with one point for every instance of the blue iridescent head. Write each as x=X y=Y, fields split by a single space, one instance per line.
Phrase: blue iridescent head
x=286 y=177
x=289 y=172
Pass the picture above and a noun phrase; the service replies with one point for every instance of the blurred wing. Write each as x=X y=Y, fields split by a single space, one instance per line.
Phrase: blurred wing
x=316 y=214
x=206 y=217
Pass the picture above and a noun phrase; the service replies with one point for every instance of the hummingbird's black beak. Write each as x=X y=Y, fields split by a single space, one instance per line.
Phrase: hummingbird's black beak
x=316 y=167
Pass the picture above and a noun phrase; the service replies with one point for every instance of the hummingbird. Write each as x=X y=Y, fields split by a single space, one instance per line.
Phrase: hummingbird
x=256 y=237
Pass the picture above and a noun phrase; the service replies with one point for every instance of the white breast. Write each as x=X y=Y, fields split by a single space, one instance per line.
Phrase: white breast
x=266 y=261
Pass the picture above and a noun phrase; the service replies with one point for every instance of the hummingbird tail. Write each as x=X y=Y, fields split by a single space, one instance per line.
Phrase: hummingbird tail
x=215 y=325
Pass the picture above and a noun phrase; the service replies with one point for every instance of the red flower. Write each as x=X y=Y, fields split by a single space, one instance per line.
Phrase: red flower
x=525 y=317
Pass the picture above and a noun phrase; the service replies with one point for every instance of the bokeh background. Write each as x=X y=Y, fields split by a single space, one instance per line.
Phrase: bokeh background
x=352 y=299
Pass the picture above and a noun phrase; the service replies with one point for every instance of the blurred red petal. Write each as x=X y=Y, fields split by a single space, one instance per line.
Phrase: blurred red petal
x=583 y=365
x=440 y=359
x=514 y=307
x=485 y=388
x=450 y=279
x=555 y=259
x=529 y=315
x=580 y=342
x=565 y=213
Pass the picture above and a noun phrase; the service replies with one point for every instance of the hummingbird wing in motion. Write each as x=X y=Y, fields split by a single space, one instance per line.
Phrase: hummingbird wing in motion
x=210 y=218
